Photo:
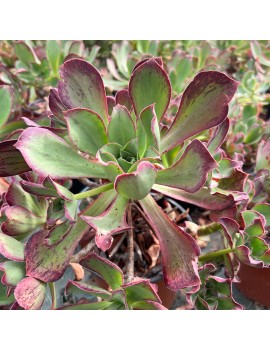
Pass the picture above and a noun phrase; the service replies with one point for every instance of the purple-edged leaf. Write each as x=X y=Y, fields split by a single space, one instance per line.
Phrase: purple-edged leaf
x=258 y=54
x=89 y=306
x=190 y=172
x=6 y=100
x=75 y=287
x=148 y=130
x=14 y=272
x=204 y=105
x=243 y=254
x=82 y=87
x=55 y=104
x=122 y=98
x=45 y=151
x=121 y=128
x=57 y=233
x=178 y=249
x=147 y=305
x=202 y=198
x=149 y=84
x=136 y=185
x=5 y=298
x=230 y=229
x=263 y=155
x=263 y=209
x=108 y=271
x=86 y=130
x=110 y=222
x=218 y=136
x=111 y=104
x=48 y=263
x=141 y=290
x=30 y=293
x=11 y=248
x=11 y=160
x=38 y=189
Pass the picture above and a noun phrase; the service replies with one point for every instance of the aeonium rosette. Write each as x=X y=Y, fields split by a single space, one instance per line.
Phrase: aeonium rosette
x=124 y=141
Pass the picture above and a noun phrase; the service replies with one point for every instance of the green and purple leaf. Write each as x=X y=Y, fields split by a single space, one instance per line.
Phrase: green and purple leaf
x=86 y=130
x=149 y=84
x=14 y=272
x=82 y=87
x=30 y=293
x=218 y=136
x=140 y=290
x=121 y=128
x=190 y=172
x=6 y=101
x=11 y=248
x=178 y=249
x=44 y=152
x=136 y=185
x=73 y=287
x=204 y=105
x=122 y=98
x=55 y=104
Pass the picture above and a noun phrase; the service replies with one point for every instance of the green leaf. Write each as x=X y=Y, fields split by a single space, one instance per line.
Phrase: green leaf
x=108 y=271
x=141 y=290
x=136 y=185
x=11 y=248
x=190 y=172
x=82 y=87
x=121 y=128
x=86 y=130
x=4 y=299
x=14 y=272
x=264 y=209
x=89 y=306
x=149 y=84
x=204 y=104
x=25 y=53
x=75 y=287
x=263 y=158
x=6 y=101
x=258 y=53
x=53 y=53
x=44 y=152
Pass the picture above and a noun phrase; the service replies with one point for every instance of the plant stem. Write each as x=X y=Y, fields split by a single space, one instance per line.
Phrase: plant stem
x=214 y=254
x=92 y=192
x=130 y=242
x=84 y=252
x=53 y=294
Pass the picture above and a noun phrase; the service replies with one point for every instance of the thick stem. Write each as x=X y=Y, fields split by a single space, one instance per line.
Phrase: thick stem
x=53 y=294
x=130 y=240
x=214 y=254
x=84 y=252
x=92 y=192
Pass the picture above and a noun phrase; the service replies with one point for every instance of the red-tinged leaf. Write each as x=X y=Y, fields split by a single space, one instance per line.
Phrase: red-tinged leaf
x=179 y=250
x=244 y=255
x=136 y=185
x=218 y=136
x=102 y=305
x=82 y=87
x=57 y=233
x=111 y=104
x=75 y=287
x=45 y=151
x=48 y=263
x=30 y=293
x=263 y=209
x=121 y=128
x=11 y=248
x=190 y=172
x=55 y=104
x=258 y=54
x=5 y=298
x=147 y=305
x=86 y=130
x=204 y=105
x=140 y=290
x=110 y=222
x=202 y=198
x=231 y=228
x=108 y=271
x=122 y=98
x=14 y=272
x=11 y=160
x=149 y=84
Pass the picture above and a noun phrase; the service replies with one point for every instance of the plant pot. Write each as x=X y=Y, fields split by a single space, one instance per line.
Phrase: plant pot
x=255 y=283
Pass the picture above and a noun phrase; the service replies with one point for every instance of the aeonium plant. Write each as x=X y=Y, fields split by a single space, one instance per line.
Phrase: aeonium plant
x=128 y=143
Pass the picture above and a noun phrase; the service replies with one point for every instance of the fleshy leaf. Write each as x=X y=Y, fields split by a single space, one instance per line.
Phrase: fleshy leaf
x=53 y=53
x=48 y=263
x=178 y=249
x=11 y=248
x=150 y=84
x=263 y=158
x=264 y=209
x=218 y=136
x=202 y=198
x=109 y=222
x=5 y=298
x=25 y=53
x=109 y=271
x=82 y=87
x=141 y=290
x=190 y=172
x=11 y=160
x=204 y=104
x=122 y=98
x=86 y=129
x=30 y=293
x=136 y=185
x=121 y=127
x=5 y=104
x=13 y=272
x=73 y=287
x=258 y=54
x=102 y=305
x=45 y=151
x=55 y=104
x=147 y=305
